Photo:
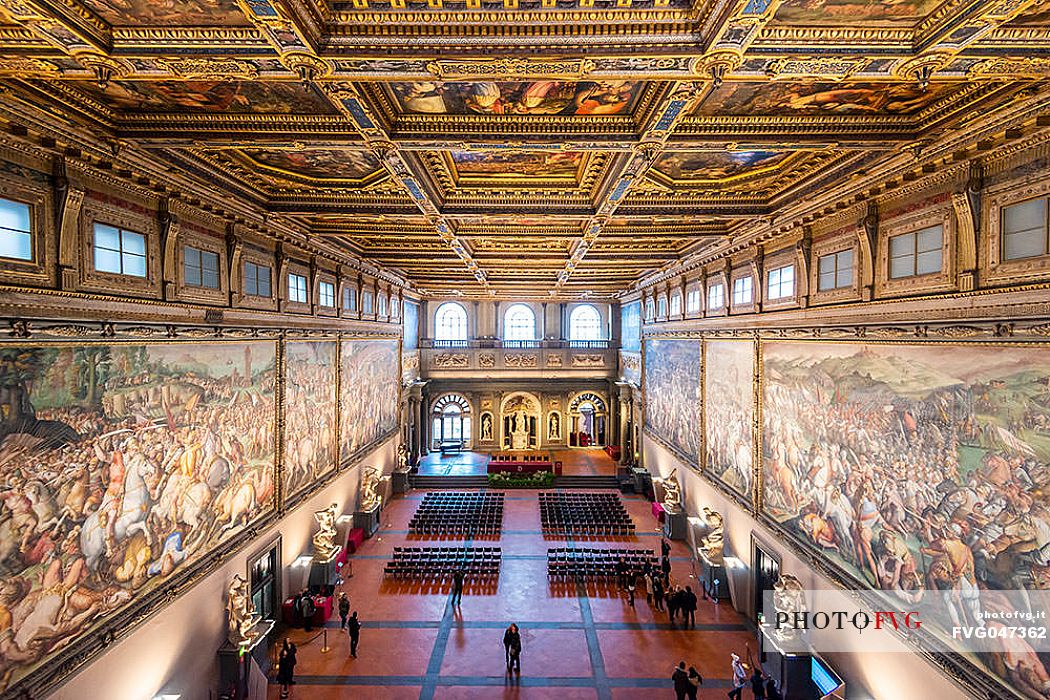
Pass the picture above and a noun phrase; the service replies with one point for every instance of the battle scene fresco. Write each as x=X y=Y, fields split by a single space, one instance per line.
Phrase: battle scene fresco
x=212 y=97
x=672 y=393
x=310 y=405
x=729 y=411
x=539 y=97
x=814 y=12
x=919 y=471
x=121 y=466
x=369 y=383
x=716 y=165
x=780 y=98
x=529 y=165
x=316 y=163
x=184 y=13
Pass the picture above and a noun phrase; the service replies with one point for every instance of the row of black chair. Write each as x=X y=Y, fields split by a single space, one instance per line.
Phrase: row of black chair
x=458 y=513
x=569 y=562
x=442 y=562
x=584 y=513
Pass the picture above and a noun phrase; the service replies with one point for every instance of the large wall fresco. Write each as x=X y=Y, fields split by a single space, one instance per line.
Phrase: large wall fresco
x=121 y=466
x=370 y=383
x=309 y=417
x=672 y=393
x=729 y=412
x=918 y=468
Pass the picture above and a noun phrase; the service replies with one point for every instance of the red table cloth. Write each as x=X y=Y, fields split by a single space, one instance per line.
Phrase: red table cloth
x=291 y=616
x=355 y=539
x=658 y=511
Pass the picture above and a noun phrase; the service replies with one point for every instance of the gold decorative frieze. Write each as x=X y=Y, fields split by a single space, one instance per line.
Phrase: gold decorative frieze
x=211 y=68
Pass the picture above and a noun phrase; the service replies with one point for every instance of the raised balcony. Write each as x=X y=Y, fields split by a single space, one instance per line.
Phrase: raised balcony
x=489 y=358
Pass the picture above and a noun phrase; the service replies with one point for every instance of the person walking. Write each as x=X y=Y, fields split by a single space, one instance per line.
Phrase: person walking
x=739 y=678
x=621 y=572
x=632 y=583
x=772 y=690
x=647 y=575
x=672 y=603
x=285 y=668
x=681 y=681
x=689 y=607
x=344 y=609
x=353 y=628
x=758 y=684
x=307 y=610
x=457 y=586
x=512 y=644
x=658 y=592
x=695 y=681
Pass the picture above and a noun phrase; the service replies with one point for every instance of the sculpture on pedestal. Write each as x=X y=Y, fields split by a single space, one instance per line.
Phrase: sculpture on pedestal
x=240 y=612
x=370 y=480
x=402 y=458
x=712 y=543
x=324 y=539
x=486 y=427
x=672 y=492
x=520 y=436
x=788 y=598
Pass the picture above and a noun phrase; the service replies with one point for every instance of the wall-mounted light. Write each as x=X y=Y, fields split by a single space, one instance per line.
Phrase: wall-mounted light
x=343 y=519
x=734 y=563
x=302 y=561
x=168 y=696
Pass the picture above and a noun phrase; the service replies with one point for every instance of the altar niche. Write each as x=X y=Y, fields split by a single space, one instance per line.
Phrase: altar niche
x=520 y=422
x=588 y=415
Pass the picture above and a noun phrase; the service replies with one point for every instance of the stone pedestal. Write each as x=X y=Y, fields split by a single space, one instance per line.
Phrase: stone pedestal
x=675 y=525
x=367 y=520
x=324 y=574
x=235 y=661
x=399 y=482
x=714 y=578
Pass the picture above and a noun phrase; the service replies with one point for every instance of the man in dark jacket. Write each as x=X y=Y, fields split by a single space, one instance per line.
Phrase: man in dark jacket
x=353 y=628
x=512 y=644
x=681 y=682
x=689 y=607
x=344 y=609
x=457 y=586
x=307 y=610
x=758 y=684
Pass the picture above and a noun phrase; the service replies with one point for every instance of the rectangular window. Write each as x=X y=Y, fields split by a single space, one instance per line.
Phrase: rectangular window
x=326 y=294
x=716 y=297
x=382 y=304
x=781 y=283
x=835 y=270
x=297 y=288
x=16 y=230
x=366 y=302
x=1025 y=230
x=676 y=304
x=120 y=252
x=743 y=291
x=916 y=253
x=200 y=268
x=692 y=301
x=257 y=280
x=649 y=312
x=661 y=305
x=349 y=299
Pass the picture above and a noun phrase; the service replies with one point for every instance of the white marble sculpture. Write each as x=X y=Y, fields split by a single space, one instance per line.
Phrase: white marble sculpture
x=672 y=501
x=712 y=542
x=788 y=598
x=324 y=539
x=402 y=458
x=240 y=612
x=371 y=478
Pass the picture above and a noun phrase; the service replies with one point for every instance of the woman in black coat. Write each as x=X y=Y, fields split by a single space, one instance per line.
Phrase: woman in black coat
x=512 y=643
x=285 y=668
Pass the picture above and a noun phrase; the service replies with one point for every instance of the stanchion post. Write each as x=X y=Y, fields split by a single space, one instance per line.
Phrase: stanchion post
x=324 y=645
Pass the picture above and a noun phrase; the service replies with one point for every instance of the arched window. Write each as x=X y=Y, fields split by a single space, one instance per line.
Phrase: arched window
x=585 y=323
x=451 y=421
x=450 y=322
x=519 y=323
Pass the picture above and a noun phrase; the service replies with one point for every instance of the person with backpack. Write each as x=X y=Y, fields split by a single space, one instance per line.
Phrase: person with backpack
x=307 y=610
x=353 y=628
x=512 y=644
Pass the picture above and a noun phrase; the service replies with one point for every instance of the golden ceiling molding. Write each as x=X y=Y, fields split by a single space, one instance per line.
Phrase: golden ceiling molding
x=1016 y=67
x=25 y=67
x=815 y=67
x=510 y=68
x=210 y=68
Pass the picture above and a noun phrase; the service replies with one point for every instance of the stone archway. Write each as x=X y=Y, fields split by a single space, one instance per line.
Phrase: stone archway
x=520 y=422
x=588 y=420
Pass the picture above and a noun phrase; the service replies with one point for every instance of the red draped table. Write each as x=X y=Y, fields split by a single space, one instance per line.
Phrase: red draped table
x=291 y=616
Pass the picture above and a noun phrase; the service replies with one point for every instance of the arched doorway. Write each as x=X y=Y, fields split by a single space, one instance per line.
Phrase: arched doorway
x=450 y=422
x=589 y=417
x=521 y=418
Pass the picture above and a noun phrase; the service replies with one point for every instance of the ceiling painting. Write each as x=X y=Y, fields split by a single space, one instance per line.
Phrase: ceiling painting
x=717 y=166
x=852 y=12
x=319 y=165
x=177 y=13
x=211 y=97
x=801 y=98
x=517 y=166
x=545 y=97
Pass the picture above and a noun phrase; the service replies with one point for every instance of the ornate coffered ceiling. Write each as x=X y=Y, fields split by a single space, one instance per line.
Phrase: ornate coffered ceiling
x=526 y=147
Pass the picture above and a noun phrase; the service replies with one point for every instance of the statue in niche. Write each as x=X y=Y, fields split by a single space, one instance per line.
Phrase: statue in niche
x=554 y=432
x=486 y=427
x=520 y=436
x=370 y=480
x=713 y=541
x=789 y=598
x=240 y=612
x=672 y=492
x=324 y=539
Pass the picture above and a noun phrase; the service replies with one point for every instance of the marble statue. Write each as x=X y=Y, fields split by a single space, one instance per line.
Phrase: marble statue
x=486 y=427
x=371 y=478
x=555 y=427
x=402 y=458
x=324 y=539
x=712 y=542
x=240 y=612
x=520 y=436
x=788 y=597
x=672 y=492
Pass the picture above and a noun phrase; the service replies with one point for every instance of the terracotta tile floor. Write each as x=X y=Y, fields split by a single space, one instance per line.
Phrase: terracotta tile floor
x=581 y=642
x=589 y=461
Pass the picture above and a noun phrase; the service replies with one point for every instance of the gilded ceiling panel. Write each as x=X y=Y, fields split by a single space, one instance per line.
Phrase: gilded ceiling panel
x=717 y=166
x=1038 y=15
x=543 y=97
x=167 y=13
x=501 y=5
x=209 y=97
x=820 y=98
x=854 y=12
x=318 y=165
